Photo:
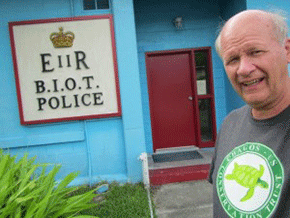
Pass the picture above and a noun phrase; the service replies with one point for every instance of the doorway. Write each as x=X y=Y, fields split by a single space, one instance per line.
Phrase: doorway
x=181 y=98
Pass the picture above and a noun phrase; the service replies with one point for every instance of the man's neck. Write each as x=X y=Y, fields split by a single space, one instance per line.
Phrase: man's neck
x=266 y=114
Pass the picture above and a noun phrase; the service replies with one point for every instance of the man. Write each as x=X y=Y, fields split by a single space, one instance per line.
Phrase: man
x=251 y=168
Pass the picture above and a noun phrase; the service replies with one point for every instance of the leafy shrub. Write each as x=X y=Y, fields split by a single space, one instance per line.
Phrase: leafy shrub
x=23 y=193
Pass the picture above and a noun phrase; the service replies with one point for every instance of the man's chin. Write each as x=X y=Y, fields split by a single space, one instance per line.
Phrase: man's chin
x=256 y=100
x=256 y=104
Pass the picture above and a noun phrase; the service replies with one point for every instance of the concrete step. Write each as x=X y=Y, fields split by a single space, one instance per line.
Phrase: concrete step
x=180 y=171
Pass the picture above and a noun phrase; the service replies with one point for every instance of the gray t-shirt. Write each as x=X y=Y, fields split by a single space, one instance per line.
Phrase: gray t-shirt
x=251 y=167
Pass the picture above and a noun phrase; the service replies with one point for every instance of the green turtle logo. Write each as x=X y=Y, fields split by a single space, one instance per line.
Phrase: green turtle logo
x=249 y=181
x=248 y=177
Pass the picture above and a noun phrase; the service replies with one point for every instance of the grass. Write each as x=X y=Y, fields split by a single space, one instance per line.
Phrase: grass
x=122 y=201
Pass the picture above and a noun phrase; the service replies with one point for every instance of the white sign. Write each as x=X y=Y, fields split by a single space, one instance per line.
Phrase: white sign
x=201 y=87
x=65 y=69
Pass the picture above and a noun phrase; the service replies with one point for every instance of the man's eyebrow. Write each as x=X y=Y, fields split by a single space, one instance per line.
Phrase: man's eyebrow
x=254 y=48
x=231 y=56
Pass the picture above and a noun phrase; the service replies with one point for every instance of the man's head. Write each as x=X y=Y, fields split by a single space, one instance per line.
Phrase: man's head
x=279 y=23
x=255 y=51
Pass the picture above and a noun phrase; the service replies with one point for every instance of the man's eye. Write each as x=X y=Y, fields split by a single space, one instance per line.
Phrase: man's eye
x=255 y=52
x=231 y=61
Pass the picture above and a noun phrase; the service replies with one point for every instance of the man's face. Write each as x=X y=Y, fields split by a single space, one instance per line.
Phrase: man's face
x=254 y=60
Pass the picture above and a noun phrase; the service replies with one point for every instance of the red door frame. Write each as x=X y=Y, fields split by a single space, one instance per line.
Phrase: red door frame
x=210 y=96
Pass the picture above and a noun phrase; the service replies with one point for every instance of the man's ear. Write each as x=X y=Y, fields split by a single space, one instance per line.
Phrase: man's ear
x=287 y=47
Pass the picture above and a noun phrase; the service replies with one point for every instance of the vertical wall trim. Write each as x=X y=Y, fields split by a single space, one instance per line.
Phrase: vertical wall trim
x=72 y=8
x=130 y=90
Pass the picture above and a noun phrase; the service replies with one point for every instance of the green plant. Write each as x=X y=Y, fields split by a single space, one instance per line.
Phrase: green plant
x=121 y=201
x=26 y=194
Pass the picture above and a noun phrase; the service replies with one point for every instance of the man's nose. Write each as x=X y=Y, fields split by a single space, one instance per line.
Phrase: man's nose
x=246 y=67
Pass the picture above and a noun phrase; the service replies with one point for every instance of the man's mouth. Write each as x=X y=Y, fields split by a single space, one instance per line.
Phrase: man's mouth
x=252 y=82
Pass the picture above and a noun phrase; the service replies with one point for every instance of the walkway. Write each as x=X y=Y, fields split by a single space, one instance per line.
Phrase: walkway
x=184 y=200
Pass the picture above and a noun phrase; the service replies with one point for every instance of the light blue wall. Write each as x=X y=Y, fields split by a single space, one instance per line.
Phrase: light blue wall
x=227 y=10
x=155 y=31
x=270 y=5
x=101 y=149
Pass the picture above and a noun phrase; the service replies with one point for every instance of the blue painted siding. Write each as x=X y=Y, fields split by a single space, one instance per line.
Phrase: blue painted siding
x=71 y=156
x=156 y=31
x=101 y=149
x=106 y=142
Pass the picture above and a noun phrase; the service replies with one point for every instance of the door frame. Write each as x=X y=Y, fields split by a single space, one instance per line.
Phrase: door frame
x=196 y=122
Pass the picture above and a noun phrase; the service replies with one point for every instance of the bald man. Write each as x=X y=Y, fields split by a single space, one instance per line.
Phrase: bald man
x=250 y=171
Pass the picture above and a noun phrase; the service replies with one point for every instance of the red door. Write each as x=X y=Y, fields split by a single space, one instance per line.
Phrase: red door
x=171 y=99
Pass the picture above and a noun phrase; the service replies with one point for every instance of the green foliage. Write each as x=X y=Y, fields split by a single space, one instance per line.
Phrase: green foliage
x=122 y=201
x=24 y=194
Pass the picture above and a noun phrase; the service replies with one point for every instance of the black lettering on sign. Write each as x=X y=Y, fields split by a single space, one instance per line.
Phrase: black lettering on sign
x=80 y=59
x=53 y=102
x=76 y=101
x=70 y=84
x=97 y=98
x=55 y=85
x=68 y=61
x=39 y=86
x=83 y=100
x=41 y=102
x=64 y=102
x=59 y=61
x=45 y=63
x=88 y=81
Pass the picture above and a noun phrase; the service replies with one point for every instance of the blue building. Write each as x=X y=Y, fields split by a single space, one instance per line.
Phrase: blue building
x=170 y=89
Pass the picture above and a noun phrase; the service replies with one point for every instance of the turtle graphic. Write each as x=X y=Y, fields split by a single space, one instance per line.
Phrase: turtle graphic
x=248 y=177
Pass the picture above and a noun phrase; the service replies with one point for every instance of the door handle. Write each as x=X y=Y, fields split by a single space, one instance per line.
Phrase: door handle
x=190 y=98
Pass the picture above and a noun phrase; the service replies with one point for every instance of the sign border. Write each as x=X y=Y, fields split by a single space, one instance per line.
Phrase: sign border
x=55 y=20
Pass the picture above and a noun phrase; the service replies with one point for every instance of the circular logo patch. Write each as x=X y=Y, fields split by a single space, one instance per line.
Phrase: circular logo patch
x=249 y=181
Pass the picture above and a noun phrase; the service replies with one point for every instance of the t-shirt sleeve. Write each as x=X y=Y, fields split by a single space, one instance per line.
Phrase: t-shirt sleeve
x=211 y=171
x=213 y=161
x=212 y=167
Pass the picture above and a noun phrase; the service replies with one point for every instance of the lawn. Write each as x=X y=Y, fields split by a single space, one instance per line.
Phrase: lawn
x=121 y=200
